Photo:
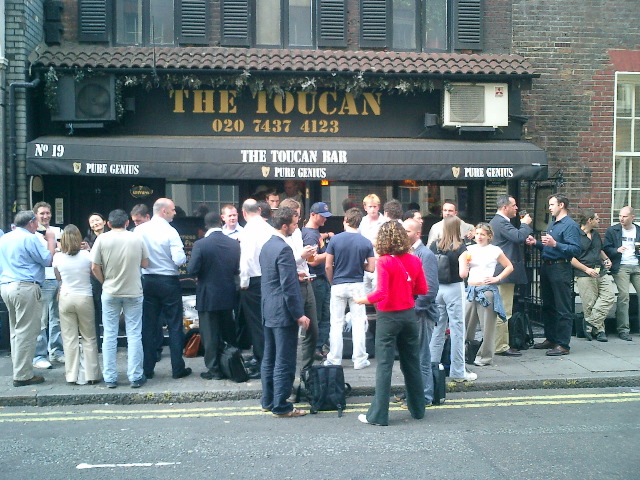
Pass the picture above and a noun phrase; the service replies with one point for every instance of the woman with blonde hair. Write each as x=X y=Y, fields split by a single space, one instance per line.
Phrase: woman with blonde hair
x=451 y=264
x=72 y=267
x=483 y=299
x=400 y=279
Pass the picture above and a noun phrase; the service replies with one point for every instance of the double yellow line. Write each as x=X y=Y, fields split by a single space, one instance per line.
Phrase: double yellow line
x=237 y=411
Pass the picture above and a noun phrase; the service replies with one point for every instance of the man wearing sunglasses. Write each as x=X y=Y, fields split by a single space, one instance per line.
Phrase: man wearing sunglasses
x=23 y=259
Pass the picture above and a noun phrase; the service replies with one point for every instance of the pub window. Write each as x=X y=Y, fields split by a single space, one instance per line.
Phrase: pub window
x=421 y=25
x=197 y=198
x=144 y=22
x=626 y=165
x=284 y=23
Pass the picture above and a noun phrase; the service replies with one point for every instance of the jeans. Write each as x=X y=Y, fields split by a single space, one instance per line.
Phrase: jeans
x=322 y=293
x=627 y=274
x=49 y=341
x=111 y=308
x=162 y=304
x=449 y=300
x=397 y=328
x=557 y=302
x=426 y=322
x=341 y=295
x=278 y=367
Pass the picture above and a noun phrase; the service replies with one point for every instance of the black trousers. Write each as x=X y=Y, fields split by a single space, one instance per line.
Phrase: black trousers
x=251 y=308
x=215 y=327
x=557 y=298
x=162 y=304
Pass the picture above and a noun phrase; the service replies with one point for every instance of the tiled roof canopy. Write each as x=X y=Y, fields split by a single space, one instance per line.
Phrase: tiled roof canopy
x=282 y=60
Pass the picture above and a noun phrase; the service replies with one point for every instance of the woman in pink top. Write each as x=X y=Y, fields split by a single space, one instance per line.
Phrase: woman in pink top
x=400 y=279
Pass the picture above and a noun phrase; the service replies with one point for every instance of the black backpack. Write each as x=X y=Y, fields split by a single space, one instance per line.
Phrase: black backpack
x=444 y=267
x=520 y=331
x=324 y=388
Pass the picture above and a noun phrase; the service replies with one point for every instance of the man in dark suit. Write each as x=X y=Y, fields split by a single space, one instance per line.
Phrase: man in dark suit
x=620 y=246
x=510 y=239
x=215 y=259
x=282 y=314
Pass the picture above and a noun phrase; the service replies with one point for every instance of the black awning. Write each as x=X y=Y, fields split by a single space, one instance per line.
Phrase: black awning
x=242 y=158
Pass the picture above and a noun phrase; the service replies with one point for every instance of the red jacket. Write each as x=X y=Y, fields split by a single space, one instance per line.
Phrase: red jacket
x=400 y=279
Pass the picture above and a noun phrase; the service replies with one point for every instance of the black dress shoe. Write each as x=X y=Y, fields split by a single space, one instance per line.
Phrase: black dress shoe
x=255 y=375
x=184 y=373
x=32 y=381
x=511 y=352
x=149 y=375
x=557 y=351
x=212 y=375
x=625 y=336
x=544 y=345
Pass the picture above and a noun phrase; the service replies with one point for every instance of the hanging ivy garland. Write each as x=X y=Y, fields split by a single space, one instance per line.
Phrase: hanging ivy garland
x=272 y=84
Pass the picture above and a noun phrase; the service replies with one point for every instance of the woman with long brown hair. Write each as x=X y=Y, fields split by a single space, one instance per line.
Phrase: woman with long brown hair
x=72 y=266
x=450 y=248
x=400 y=279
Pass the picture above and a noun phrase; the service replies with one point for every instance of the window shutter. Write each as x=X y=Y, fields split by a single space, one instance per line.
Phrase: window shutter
x=193 y=22
x=467 y=25
x=94 y=20
x=332 y=29
x=373 y=23
x=235 y=23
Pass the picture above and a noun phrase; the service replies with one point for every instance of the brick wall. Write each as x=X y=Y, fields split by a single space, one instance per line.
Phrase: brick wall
x=570 y=107
x=23 y=22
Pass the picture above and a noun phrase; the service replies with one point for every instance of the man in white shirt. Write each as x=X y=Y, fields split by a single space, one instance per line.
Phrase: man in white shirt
x=49 y=343
x=369 y=227
x=161 y=286
x=449 y=209
x=229 y=214
x=255 y=234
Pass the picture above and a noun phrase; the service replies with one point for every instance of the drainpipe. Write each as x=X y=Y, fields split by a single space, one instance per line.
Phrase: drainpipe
x=12 y=190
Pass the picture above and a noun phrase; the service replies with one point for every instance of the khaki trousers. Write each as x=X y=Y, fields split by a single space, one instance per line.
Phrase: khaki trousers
x=475 y=312
x=502 y=328
x=23 y=300
x=597 y=298
x=77 y=317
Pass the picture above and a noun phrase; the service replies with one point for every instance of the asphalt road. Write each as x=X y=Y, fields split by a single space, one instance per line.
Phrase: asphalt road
x=542 y=434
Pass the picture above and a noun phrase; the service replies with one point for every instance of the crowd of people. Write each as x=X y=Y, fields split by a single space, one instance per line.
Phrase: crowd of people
x=281 y=284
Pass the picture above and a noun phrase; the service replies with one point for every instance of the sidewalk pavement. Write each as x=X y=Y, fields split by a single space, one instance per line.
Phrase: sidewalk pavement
x=590 y=364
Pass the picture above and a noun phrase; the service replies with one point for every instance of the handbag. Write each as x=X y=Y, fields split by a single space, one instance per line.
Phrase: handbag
x=192 y=346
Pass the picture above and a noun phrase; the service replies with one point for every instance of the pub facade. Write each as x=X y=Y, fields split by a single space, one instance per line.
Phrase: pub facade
x=210 y=102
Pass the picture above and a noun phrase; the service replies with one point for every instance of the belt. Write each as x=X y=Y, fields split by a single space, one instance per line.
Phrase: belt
x=553 y=262
x=27 y=282
x=306 y=280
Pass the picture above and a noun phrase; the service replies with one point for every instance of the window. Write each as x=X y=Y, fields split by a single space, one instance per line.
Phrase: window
x=284 y=23
x=195 y=198
x=626 y=165
x=145 y=22
x=421 y=25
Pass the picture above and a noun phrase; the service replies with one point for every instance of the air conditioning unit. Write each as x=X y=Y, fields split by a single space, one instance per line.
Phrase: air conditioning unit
x=476 y=105
x=88 y=100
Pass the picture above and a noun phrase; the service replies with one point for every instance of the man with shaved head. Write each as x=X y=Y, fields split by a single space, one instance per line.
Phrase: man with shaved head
x=619 y=245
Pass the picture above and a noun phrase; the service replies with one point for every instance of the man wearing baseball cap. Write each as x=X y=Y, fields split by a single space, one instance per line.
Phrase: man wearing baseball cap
x=321 y=288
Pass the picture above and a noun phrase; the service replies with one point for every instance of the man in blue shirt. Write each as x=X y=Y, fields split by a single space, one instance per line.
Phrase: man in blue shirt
x=560 y=244
x=22 y=261
x=348 y=255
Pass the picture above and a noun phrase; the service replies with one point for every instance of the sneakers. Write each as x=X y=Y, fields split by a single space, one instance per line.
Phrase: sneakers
x=43 y=364
x=468 y=377
x=602 y=337
x=57 y=357
x=362 y=365
x=111 y=384
x=480 y=363
x=363 y=418
x=139 y=382
x=625 y=336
